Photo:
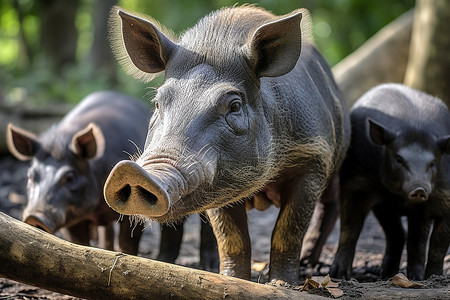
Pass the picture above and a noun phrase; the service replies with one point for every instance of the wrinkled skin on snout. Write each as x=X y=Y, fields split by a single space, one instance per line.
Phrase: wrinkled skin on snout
x=70 y=163
x=239 y=116
x=397 y=165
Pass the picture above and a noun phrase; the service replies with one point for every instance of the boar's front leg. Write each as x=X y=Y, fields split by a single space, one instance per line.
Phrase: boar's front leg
x=233 y=241
x=439 y=242
x=298 y=201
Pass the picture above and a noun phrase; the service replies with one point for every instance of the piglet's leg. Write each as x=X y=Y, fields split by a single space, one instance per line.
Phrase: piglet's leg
x=322 y=224
x=209 y=258
x=395 y=238
x=233 y=241
x=355 y=205
x=439 y=243
x=79 y=233
x=106 y=236
x=418 y=231
x=129 y=236
x=170 y=243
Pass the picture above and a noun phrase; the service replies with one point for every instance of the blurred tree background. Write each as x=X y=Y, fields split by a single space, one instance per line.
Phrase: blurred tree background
x=57 y=50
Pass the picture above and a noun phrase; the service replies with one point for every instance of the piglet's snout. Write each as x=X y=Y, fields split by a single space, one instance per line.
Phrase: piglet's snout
x=130 y=190
x=418 y=195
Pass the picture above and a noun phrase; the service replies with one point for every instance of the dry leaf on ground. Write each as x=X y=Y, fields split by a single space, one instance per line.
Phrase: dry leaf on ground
x=402 y=281
x=325 y=282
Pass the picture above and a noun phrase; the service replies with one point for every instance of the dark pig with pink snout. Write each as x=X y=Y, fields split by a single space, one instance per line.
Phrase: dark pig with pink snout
x=70 y=163
x=398 y=165
x=248 y=111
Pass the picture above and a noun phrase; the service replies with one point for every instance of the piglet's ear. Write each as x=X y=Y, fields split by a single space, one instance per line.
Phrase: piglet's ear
x=379 y=134
x=21 y=143
x=444 y=144
x=275 y=47
x=89 y=142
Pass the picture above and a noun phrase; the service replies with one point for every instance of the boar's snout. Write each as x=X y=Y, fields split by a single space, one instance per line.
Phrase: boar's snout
x=418 y=195
x=130 y=190
x=40 y=223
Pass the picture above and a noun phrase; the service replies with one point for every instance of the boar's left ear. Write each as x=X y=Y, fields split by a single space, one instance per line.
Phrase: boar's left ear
x=138 y=44
x=275 y=47
x=444 y=144
x=89 y=142
x=379 y=134
x=21 y=143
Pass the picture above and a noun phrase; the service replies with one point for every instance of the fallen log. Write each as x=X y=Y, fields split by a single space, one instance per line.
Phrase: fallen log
x=31 y=256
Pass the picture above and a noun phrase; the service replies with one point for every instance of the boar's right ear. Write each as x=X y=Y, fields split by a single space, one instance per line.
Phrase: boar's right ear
x=21 y=143
x=139 y=45
x=89 y=142
x=379 y=134
x=275 y=47
x=444 y=144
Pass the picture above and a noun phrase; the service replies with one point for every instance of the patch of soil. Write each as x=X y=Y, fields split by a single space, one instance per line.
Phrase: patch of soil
x=368 y=257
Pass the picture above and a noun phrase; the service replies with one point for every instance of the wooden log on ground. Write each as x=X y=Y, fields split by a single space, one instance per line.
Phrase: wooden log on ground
x=383 y=58
x=34 y=257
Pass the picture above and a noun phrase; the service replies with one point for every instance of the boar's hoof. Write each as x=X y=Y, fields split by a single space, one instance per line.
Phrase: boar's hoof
x=130 y=190
x=418 y=195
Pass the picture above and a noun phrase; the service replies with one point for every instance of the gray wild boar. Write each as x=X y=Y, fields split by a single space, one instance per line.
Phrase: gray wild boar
x=397 y=164
x=248 y=110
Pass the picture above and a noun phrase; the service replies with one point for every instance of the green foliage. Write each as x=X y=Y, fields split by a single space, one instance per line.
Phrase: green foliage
x=340 y=26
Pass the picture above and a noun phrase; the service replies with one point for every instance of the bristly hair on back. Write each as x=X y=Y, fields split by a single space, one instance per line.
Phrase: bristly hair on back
x=118 y=46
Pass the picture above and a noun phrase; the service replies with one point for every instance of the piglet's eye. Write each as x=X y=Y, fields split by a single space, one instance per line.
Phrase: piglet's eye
x=156 y=105
x=399 y=159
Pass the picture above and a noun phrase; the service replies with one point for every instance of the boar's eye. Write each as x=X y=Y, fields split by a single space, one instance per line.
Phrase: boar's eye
x=433 y=164
x=69 y=179
x=33 y=176
x=156 y=105
x=235 y=106
x=235 y=116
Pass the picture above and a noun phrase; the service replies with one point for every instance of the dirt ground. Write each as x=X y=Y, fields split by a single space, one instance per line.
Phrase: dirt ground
x=368 y=256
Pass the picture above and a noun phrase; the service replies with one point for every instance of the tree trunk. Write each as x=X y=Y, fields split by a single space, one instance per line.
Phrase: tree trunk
x=59 y=35
x=429 y=64
x=383 y=58
x=32 y=256
x=101 y=55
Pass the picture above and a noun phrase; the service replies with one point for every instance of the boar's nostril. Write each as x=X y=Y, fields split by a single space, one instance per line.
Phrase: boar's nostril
x=147 y=196
x=124 y=193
